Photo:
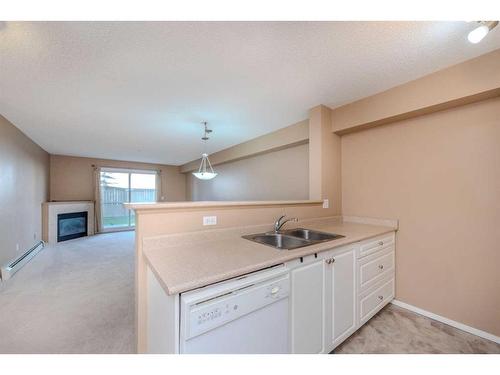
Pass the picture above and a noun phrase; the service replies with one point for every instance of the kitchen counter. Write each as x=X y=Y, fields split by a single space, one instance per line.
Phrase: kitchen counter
x=187 y=261
x=149 y=206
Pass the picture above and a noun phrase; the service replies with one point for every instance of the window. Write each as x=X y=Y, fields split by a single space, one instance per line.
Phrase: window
x=118 y=186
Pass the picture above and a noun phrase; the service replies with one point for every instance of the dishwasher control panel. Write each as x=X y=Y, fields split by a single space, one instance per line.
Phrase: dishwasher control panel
x=206 y=315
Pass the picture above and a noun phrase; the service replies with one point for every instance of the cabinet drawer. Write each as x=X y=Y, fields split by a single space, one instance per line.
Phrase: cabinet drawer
x=375 y=244
x=374 y=301
x=375 y=267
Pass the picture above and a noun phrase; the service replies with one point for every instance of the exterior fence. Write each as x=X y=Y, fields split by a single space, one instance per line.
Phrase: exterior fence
x=112 y=199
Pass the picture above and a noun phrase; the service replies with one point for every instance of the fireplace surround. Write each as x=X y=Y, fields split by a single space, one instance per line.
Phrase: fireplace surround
x=71 y=228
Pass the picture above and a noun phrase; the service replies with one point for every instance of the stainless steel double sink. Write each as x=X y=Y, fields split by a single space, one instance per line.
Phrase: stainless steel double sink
x=292 y=238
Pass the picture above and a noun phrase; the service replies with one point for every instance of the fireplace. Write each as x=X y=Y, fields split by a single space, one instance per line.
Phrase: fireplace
x=71 y=225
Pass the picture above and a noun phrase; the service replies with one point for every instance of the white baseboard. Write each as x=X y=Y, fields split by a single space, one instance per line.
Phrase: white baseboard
x=442 y=319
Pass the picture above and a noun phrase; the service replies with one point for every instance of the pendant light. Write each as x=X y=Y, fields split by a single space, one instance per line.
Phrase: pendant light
x=205 y=172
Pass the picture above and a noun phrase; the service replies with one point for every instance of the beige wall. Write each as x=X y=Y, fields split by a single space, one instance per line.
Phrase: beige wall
x=438 y=174
x=71 y=178
x=278 y=175
x=24 y=185
x=324 y=160
x=471 y=81
x=283 y=138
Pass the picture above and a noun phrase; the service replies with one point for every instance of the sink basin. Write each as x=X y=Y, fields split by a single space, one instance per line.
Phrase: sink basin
x=292 y=238
x=278 y=240
x=312 y=235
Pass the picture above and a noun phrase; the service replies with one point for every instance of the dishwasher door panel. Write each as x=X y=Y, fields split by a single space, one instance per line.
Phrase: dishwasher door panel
x=262 y=331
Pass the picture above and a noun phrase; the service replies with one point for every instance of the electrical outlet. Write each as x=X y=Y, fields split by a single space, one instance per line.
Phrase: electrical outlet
x=209 y=220
x=326 y=203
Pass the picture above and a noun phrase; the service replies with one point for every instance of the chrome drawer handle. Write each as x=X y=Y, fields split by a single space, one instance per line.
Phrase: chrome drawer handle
x=381 y=243
x=330 y=261
x=381 y=266
x=381 y=297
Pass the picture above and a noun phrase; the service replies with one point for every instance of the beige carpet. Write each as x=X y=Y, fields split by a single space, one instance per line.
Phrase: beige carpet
x=73 y=297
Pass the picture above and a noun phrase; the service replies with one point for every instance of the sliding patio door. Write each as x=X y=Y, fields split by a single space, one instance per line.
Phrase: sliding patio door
x=118 y=186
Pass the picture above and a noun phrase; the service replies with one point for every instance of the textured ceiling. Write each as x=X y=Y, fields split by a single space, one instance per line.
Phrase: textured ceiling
x=139 y=90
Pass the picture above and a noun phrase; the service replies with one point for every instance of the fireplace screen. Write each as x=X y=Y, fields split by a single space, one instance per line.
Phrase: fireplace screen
x=71 y=225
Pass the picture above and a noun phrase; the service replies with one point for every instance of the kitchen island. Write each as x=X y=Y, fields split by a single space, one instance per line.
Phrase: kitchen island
x=182 y=261
x=187 y=261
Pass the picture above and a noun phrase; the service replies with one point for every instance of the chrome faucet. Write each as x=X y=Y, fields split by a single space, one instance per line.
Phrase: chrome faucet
x=279 y=223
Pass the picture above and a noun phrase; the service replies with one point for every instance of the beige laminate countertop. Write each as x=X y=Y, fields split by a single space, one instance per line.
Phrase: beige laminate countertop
x=214 y=204
x=184 y=262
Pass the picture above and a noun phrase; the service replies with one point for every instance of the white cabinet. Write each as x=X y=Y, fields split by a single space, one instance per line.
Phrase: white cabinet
x=340 y=301
x=376 y=266
x=372 y=301
x=307 y=277
x=334 y=292
x=375 y=244
x=163 y=318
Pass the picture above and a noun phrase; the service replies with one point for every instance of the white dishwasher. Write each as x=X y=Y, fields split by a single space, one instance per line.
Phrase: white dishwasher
x=244 y=315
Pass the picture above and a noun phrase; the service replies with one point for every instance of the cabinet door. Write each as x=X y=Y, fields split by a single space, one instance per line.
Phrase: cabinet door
x=307 y=306
x=341 y=297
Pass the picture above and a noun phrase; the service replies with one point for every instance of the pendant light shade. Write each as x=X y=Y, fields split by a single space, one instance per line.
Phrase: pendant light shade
x=205 y=172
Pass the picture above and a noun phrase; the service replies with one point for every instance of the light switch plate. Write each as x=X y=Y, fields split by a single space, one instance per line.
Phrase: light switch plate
x=209 y=220
x=326 y=203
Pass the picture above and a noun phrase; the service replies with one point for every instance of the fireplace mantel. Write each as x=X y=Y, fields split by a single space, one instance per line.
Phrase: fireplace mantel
x=50 y=210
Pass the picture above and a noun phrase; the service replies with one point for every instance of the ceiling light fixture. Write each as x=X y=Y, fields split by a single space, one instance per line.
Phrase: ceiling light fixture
x=476 y=35
x=202 y=173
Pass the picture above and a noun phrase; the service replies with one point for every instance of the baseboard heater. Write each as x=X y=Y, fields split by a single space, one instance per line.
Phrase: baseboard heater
x=11 y=268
